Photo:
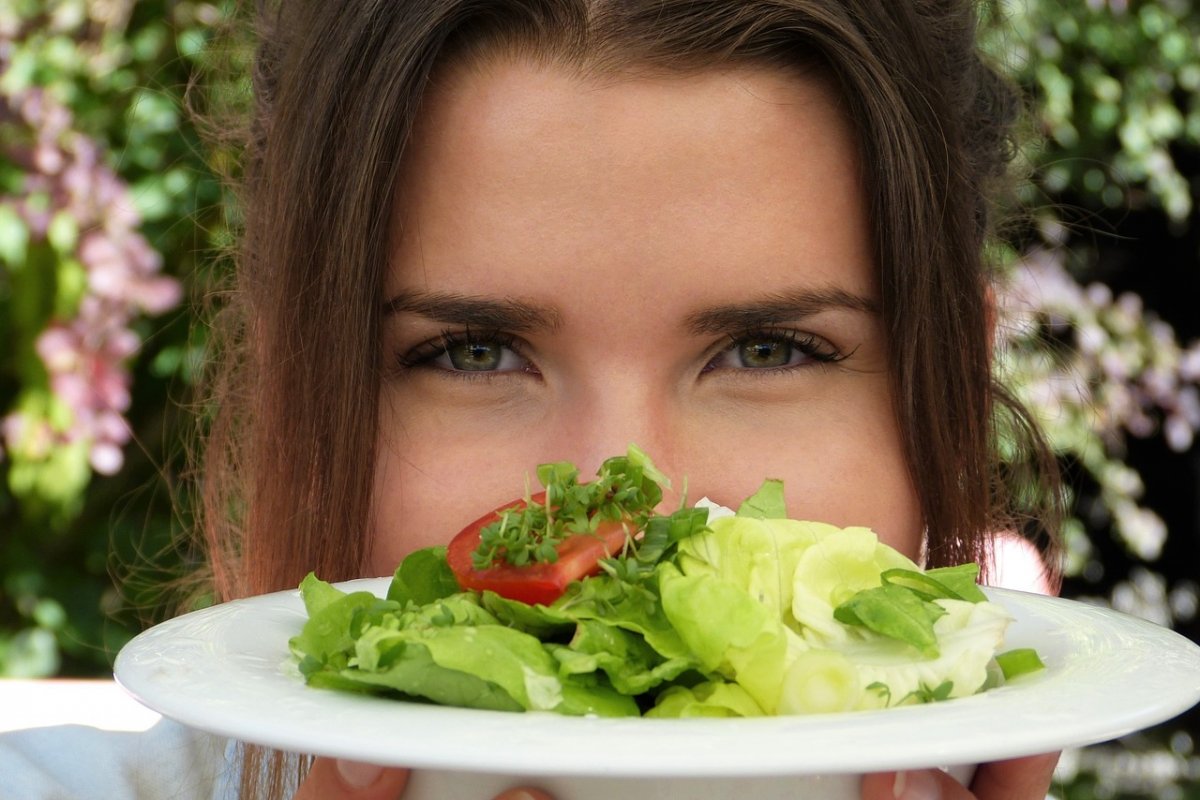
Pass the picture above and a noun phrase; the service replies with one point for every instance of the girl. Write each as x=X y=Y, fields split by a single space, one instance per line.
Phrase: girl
x=486 y=234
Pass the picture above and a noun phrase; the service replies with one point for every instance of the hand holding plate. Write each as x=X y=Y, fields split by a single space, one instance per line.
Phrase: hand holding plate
x=340 y=779
x=1015 y=779
x=351 y=780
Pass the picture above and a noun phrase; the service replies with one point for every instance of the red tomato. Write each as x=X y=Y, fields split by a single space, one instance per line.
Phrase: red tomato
x=537 y=582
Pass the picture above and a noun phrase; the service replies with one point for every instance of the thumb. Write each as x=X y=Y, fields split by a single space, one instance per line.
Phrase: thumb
x=1018 y=778
x=332 y=778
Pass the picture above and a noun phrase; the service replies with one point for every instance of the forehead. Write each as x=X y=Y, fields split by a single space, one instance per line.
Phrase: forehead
x=515 y=162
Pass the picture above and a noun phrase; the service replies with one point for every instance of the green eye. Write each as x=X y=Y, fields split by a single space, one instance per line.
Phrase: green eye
x=764 y=353
x=484 y=354
x=774 y=350
x=475 y=356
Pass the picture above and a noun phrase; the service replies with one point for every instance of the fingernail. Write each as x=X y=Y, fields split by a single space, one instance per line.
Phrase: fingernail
x=916 y=786
x=517 y=794
x=356 y=774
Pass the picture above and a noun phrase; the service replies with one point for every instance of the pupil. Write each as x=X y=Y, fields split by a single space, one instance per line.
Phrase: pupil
x=474 y=356
x=765 y=354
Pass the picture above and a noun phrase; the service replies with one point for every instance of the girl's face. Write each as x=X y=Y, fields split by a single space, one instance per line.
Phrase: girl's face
x=682 y=262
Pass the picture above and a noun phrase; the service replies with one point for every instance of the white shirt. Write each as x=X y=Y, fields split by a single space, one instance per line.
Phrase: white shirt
x=85 y=740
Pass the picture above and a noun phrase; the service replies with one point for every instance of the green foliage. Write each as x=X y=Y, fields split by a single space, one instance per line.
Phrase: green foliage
x=1116 y=93
x=1115 y=88
x=1116 y=85
x=107 y=209
x=96 y=136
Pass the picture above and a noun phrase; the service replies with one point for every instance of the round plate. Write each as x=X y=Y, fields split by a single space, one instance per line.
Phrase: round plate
x=227 y=670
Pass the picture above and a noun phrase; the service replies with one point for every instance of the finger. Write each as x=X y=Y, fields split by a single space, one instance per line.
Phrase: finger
x=332 y=778
x=523 y=794
x=1017 y=779
x=920 y=784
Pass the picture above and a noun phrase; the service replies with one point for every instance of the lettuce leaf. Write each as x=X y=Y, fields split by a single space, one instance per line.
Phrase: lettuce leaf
x=755 y=614
x=422 y=577
x=451 y=651
x=810 y=618
x=767 y=503
x=708 y=699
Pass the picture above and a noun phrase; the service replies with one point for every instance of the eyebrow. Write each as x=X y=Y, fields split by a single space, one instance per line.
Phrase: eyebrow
x=776 y=308
x=459 y=309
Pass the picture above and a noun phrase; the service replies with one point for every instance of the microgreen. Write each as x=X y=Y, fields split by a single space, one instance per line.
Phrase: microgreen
x=684 y=618
x=660 y=536
x=935 y=694
x=626 y=489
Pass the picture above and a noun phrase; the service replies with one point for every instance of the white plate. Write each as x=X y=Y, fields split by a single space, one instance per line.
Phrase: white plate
x=227 y=670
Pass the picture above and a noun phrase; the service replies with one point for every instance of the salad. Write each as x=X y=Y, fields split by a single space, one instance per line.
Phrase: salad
x=582 y=600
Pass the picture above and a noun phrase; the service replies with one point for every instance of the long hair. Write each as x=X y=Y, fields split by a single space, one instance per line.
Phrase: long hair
x=338 y=84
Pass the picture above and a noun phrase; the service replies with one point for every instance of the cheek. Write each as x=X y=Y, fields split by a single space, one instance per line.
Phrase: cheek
x=863 y=479
x=429 y=487
x=415 y=503
x=838 y=453
x=878 y=498
x=387 y=510
x=840 y=463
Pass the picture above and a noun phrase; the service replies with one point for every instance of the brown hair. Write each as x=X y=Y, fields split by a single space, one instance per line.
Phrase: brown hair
x=338 y=85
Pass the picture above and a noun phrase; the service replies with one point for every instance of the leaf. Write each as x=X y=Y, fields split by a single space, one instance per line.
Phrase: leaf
x=631 y=665
x=416 y=674
x=935 y=695
x=918 y=583
x=327 y=635
x=638 y=458
x=709 y=699
x=1021 y=661
x=896 y=612
x=767 y=503
x=557 y=477
x=63 y=233
x=317 y=594
x=962 y=580
x=882 y=689
x=422 y=577
x=14 y=237
x=945 y=583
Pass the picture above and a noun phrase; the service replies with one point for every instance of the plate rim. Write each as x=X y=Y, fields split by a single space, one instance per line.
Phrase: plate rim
x=149 y=678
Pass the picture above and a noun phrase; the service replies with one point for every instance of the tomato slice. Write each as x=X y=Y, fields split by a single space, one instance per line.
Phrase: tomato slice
x=538 y=582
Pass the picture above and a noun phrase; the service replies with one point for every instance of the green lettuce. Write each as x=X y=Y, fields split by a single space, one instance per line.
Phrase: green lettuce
x=809 y=618
x=748 y=615
x=451 y=651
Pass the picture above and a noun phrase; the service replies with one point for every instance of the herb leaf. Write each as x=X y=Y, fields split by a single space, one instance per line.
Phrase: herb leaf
x=1021 y=661
x=766 y=503
x=627 y=488
x=896 y=612
x=422 y=577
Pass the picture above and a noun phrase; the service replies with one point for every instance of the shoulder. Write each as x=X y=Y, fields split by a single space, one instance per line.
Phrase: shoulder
x=1015 y=563
x=167 y=760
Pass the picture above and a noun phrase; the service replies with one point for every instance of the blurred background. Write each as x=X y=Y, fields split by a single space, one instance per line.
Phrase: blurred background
x=114 y=218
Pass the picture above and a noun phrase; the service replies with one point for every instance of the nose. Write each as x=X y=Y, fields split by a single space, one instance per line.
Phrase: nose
x=617 y=414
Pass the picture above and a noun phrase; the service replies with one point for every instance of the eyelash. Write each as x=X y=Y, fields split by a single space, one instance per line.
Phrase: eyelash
x=428 y=351
x=809 y=345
